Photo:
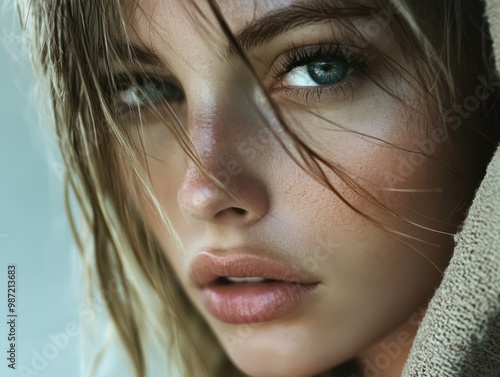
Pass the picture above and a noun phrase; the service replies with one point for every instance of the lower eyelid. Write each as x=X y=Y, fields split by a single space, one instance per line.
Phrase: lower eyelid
x=336 y=93
x=148 y=115
x=281 y=83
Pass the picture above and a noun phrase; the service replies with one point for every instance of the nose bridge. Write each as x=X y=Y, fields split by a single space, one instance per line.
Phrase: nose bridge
x=220 y=117
x=220 y=105
x=217 y=124
x=216 y=127
x=210 y=132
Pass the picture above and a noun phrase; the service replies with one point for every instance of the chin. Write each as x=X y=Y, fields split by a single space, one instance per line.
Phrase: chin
x=269 y=355
x=271 y=367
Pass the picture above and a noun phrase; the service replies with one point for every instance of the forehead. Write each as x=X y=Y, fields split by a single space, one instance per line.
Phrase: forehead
x=182 y=19
x=179 y=12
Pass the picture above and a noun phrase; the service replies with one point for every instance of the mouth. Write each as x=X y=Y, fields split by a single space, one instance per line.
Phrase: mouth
x=242 y=287
x=234 y=280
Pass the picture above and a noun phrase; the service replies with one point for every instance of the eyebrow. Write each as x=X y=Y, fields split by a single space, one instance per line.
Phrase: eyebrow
x=304 y=13
x=141 y=54
x=268 y=27
x=146 y=56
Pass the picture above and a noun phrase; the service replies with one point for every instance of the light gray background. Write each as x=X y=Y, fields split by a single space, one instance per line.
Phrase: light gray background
x=33 y=230
x=35 y=236
x=34 y=233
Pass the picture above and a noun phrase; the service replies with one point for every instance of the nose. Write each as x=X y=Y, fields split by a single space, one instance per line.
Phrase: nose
x=244 y=198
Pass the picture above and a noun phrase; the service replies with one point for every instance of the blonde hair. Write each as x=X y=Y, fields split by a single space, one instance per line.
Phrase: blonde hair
x=74 y=44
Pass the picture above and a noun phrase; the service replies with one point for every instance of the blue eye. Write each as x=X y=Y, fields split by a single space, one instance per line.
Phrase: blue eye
x=316 y=66
x=318 y=73
x=325 y=73
x=148 y=91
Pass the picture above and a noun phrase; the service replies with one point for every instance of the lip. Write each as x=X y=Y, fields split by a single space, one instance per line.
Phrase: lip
x=284 y=291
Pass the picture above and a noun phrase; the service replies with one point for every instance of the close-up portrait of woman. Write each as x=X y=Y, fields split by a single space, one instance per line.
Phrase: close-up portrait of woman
x=282 y=188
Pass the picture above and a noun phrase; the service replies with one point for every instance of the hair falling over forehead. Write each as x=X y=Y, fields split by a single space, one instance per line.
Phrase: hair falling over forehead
x=78 y=46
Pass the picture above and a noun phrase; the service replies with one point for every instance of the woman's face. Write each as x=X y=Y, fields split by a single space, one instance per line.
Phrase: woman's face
x=340 y=282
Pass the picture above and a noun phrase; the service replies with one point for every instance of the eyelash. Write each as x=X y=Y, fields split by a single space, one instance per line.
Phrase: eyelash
x=300 y=56
x=136 y=88
x=294 y=58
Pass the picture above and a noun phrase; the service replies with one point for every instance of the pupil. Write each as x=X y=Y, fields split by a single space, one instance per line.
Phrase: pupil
x=327 y=72
x=151 y=93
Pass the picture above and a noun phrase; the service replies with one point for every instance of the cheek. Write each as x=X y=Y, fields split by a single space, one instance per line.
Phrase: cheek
x=371 y=255
x=382 y=149
x=165 y=163
x=375 y=277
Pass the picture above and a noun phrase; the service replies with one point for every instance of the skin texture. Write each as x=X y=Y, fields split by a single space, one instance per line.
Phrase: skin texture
x=373 y=285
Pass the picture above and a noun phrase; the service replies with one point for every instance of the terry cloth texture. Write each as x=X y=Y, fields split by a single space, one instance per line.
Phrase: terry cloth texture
x=460 y=333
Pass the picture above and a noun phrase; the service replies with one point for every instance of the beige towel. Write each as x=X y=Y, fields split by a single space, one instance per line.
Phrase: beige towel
x=460 y=333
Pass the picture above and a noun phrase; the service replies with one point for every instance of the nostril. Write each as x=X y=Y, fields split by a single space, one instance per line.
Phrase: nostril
x=231 y=211
x=239 y=211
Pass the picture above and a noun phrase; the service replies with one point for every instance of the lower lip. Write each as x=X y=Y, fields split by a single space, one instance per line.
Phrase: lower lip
x=250 y=303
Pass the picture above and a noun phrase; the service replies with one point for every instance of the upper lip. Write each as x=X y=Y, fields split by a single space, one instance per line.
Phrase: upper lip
x=212 y=264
